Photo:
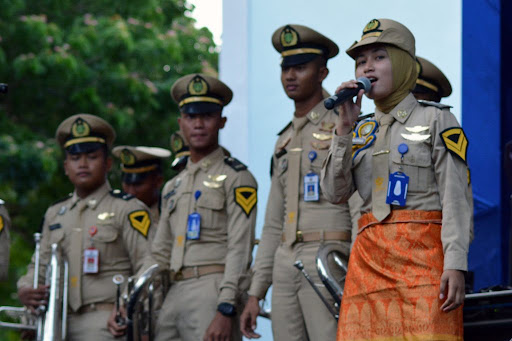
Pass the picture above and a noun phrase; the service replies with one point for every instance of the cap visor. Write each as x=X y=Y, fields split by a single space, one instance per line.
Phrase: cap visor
x=200 y=108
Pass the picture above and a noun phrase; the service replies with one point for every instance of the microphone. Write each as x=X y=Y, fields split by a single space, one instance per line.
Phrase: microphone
x=345 y=94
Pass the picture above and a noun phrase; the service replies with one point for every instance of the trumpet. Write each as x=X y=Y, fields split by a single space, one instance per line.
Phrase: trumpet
x=49 y=323
x=141 y=308
x=333 y=284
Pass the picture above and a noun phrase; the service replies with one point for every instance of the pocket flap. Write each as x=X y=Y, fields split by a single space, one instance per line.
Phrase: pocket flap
x=105 y=234
x=211 y=200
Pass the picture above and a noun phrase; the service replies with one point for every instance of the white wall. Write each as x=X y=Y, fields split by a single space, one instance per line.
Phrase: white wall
x=250 y=65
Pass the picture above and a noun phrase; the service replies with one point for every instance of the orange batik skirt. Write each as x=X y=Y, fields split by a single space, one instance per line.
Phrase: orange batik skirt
x=392 y=286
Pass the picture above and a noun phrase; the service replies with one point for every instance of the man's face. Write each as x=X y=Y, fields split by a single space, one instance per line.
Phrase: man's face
x=302 y=81
x=201 y=130
x=87 y=171
x=146 y=190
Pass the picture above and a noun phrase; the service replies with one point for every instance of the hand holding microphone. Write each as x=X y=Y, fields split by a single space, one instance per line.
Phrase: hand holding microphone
x=363 y=83
x=348 y=112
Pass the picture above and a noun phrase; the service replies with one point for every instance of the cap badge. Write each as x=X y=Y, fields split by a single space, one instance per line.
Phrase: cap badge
x=289 y=37
x=80 y=128
x=373 y=25
x=176 y=143
x=127 y=157
x=197 y=86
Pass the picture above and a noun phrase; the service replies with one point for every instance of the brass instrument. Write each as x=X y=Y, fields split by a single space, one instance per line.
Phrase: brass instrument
x=49 y=323
x=141 y=308
x=333 y=283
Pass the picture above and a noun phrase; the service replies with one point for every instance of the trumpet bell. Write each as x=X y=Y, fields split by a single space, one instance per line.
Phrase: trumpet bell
x=332 y=266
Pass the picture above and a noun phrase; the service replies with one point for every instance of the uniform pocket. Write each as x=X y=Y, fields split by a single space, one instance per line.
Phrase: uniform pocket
x=106 y=234
x=210 y=206
x=417 y=164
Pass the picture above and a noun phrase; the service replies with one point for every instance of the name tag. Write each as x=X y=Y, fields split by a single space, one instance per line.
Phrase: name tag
x=193 y=226
x=397 y=189
x=311 y=187
x=91 y=261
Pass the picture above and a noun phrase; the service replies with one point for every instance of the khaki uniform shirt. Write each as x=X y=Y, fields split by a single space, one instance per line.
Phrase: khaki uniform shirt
x=319 y=215
x=122 y=223
x=5 y=225
x=438 y=180
x=227 y=220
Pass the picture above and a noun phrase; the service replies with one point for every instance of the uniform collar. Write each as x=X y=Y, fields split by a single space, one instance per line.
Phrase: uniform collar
x=206 y=162
x=93 y=199
x=402 y=111
x=317 y=113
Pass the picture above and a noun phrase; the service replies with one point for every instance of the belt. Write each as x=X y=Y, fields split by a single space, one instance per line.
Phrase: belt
x=319 y=236
x=196 y=272
x=94 y=307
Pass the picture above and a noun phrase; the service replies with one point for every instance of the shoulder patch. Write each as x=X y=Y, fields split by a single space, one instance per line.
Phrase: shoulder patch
x=116 y=193
x=234 y=163
x=435 y=104
x=2 y=224
x=246 y=197
x=456 y=142
x=284 y=129
x=140 y=221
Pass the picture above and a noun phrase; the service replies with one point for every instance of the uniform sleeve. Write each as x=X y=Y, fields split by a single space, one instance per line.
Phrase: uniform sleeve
x=137 y=225
x=270 y=238
x=241 y=210
x=44 y=258
x=162 y=243
x=455 y=194
x=5 y=243
x=336 y=179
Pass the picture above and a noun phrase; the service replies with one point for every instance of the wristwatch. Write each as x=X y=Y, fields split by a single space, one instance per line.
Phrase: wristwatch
x=226 y=309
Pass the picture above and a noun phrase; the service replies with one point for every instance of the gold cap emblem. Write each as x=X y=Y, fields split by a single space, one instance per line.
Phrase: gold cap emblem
x=127 y=157
x=80 y=128
x=289 y=37
x=197 y=86
x=373 y=25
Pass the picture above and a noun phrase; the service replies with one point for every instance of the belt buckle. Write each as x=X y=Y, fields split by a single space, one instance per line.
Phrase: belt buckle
x=299 y=237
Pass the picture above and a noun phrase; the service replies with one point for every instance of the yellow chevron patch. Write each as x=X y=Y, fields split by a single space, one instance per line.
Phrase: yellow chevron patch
x=1 y=223
x=140 y=221
x=456 y=142
x=246 y=197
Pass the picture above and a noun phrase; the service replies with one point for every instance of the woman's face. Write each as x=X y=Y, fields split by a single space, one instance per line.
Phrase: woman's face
x=373 y=62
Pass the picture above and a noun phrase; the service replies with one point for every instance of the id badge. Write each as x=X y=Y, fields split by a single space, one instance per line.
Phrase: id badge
x=91 y=261
x=311 y=187
x=193 y=226
x=397 y=189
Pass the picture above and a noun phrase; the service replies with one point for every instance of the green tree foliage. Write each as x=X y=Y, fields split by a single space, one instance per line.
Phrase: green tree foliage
x=115 y=59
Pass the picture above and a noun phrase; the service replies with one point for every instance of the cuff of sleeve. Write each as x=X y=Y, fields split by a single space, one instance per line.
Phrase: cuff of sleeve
x=456 y=260
x=258 y=290
x=227 y=295
x=339 y=143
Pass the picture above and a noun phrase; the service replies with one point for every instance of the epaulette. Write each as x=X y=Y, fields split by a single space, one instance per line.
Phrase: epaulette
x=364 y=117
x=234 y=163
x=435 y=104
x=117 y=193
x=284 y=129
x=62 y=199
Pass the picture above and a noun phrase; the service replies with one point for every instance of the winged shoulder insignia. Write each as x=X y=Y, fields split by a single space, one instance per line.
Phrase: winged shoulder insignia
x=456 y=142
x=235 y=164
x=140 y=221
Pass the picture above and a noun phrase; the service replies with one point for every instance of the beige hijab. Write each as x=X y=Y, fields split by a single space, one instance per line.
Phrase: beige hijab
x=405 y=74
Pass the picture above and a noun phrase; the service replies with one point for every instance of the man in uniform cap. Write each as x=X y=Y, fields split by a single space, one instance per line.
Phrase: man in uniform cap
x=101 y=232
x=299 y=221
x=181 y=151
x=432 y=84
x=142 y=175
x=206 y=230
x=5 y=225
